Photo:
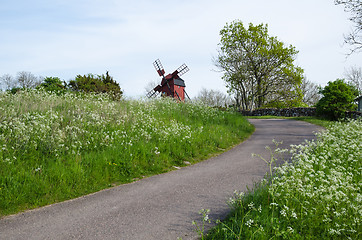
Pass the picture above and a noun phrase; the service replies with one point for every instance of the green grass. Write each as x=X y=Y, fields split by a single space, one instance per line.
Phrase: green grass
x=316 y=197
x=54 y=148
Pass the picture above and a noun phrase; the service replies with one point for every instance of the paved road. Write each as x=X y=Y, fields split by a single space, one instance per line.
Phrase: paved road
x=163 y=206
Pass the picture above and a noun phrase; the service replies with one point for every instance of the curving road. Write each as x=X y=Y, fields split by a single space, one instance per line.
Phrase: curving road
x=162 y=206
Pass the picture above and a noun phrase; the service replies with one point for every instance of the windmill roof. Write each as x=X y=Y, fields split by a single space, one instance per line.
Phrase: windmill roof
x=179 y=82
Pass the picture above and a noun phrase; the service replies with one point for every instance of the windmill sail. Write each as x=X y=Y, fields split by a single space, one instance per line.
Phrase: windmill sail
x=172 y=84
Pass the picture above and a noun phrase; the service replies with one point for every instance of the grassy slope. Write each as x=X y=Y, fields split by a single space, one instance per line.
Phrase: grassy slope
x=55 y=148
x=318 y=197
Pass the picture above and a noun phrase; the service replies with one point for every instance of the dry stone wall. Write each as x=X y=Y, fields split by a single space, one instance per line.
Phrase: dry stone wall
x=354 y=114
x=282 y=112
x=292 y=112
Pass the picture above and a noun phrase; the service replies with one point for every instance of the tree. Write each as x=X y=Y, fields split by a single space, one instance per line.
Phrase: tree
x=258 y=68
x=96 y=83
x=27 y=80
x=8 y=81
x=286 y=96
x=354 y=77
x=310 y=92
x=214 y=98
x=52 y=84
x=338 y=97
x=355 y=37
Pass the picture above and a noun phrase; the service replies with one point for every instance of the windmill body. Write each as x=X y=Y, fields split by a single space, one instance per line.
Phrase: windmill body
x=171 y=84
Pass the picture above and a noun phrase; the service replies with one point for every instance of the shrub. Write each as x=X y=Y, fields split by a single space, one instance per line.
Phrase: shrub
x=337 y=98
x=97 y=84
x=52 y=84
x=15 y=90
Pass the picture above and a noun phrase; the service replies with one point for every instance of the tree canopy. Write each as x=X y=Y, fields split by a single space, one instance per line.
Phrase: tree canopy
x=338 y=97
x=52 y=84
x=98 y=84
x=258 y=69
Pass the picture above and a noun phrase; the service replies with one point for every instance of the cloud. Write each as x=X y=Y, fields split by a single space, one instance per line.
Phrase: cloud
x=65 y=38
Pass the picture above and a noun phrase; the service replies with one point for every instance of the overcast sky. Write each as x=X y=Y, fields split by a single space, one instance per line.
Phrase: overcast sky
x=64 y=38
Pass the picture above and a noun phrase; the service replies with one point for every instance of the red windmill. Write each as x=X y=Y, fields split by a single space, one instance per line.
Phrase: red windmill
x=172 y=84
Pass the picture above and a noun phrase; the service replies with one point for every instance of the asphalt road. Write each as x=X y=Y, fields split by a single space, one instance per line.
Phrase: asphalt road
x=162 y=206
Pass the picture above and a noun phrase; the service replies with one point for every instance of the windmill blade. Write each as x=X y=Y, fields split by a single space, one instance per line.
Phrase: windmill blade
x=151 y=93
x=159 y=68
x=178 y=96
x=169 y=88
x=182 y=70
x=165 y=82
x=187 y=94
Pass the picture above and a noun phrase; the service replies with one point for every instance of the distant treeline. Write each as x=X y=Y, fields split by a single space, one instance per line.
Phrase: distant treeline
x=82 y=83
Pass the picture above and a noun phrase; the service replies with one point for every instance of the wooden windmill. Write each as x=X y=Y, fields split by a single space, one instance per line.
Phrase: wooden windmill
x=171 y=84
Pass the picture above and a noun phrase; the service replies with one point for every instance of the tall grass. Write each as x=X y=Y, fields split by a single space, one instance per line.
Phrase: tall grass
x=54 y=147
x=318 y=196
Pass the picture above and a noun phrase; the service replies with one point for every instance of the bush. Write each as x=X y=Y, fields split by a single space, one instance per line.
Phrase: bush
x=97 y=84
x=15 y=90
x=53 y=84
x=337 y=98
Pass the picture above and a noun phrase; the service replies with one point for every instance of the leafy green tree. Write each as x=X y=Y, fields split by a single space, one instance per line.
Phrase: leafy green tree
x=52 y=84
x=96 y=83
x=337 y=98
x=258 y=68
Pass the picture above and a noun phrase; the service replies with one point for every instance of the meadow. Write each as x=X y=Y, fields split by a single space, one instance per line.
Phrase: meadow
x=316 y=196
x=55 y=147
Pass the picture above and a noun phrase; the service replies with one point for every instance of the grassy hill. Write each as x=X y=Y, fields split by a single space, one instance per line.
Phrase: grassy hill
x=56 y=147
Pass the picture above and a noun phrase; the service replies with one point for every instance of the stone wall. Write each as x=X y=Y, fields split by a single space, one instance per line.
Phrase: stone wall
x=283 y=112
x=354 y=114
x=292 y=112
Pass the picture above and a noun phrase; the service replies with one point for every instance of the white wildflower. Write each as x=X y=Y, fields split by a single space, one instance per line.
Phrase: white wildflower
x=251 y=205
x=249 y=223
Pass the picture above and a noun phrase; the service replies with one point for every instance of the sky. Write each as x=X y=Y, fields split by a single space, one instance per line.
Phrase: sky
x=64 y=38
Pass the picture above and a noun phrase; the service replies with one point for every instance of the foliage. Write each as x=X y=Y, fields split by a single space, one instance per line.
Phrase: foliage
x=338 y=98
x=200 y=229
x=258 y=68
x=52 y=84
x=355 y=37
x=15 y=90
x=96 y=84
x=56 y=147
x=316 y=197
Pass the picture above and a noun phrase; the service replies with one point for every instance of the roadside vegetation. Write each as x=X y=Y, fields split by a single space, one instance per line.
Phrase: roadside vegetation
x=316 y=196
x=55 y=146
